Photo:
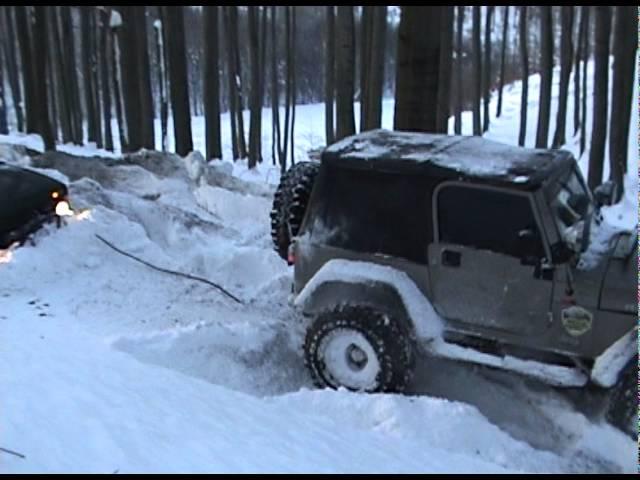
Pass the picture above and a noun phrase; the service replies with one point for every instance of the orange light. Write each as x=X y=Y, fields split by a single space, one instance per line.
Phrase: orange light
x=55 y=195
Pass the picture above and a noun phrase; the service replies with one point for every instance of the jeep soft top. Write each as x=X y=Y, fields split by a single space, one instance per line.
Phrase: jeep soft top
x=448 y=156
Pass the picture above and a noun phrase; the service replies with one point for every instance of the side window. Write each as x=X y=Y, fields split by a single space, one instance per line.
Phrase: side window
x=491 y=220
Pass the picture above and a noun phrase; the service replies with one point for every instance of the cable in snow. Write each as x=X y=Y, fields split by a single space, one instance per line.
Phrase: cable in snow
x=11 y=452
x=171 y=272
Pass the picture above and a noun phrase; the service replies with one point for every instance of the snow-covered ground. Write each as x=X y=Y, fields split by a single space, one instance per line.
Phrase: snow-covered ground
x=108 y=366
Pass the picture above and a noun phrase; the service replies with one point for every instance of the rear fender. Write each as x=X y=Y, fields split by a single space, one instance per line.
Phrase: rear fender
x=379 y=286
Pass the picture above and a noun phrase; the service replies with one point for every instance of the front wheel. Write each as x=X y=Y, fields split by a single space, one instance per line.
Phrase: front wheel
x=361 y=349
x=623 y=404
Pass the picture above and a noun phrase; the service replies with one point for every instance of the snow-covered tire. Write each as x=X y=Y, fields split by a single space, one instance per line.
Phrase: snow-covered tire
x=623 y=404
x=290 y=204
x=336 y=335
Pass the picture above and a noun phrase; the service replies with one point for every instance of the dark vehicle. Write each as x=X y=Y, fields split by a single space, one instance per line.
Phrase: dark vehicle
x=458 y=247
x=28 y=200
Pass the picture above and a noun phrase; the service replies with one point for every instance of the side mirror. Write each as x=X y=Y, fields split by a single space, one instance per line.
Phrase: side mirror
x=561 y=253
x=604 y=194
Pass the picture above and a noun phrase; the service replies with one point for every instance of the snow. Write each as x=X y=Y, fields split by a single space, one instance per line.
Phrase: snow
x=115 y=20
x=109 y=366
x=613 y=360
x=554 y=375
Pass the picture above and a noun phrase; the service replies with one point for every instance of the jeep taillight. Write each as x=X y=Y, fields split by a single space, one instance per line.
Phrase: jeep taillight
x=291 y=254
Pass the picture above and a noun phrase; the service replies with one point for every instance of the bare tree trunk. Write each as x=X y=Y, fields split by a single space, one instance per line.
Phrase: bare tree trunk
x=233 y=86
x=254 y=99
x=524 y=55
x=457 y=126
x=87 y=77
x=12 y=64
x=40 y=31
x=486 y=69
x=444 y=70
x=72 y=84
x=377 y=47
x=276 y=147
x=162 y=79
x=292 y=75
x=287 y=85
x=211 y=81
x=477 y=71
x=576 y=76
x=144 y=80
x=345 y=64
x=53 y=80
x=130 y=74
x=366 y=26
x=105 y=49
x=329 y=76
x=28 y=75
x=586 y=9
x=505 y=29
x=136 y=79
x=566 y=56
x=625 y=43
x=417 y=71
x=263 y=67
x=117 y=82
x=4 y=126
x=546 y=76
x=235 y=47
x=600 y=93
x=95 y=75
x=178 y=79
x=61 y=73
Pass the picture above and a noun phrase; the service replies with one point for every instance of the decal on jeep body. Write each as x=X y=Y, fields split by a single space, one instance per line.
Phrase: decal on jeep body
x=576 y=320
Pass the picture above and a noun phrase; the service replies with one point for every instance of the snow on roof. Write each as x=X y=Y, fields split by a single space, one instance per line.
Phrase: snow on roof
x=474 y=156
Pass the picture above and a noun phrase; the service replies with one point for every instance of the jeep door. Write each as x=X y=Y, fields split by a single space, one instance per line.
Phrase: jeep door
x=488 y=262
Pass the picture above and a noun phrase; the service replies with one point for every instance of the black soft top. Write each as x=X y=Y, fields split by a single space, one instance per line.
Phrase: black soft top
x=448 y=156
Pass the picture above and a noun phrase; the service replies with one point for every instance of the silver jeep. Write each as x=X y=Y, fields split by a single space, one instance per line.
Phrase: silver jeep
x=458 y=247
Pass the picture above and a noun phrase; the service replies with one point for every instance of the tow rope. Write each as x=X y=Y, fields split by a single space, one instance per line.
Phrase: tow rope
x=171 y=272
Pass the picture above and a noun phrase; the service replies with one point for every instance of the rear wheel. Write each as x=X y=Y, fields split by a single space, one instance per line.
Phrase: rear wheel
x=361 y=349
x=290 y=204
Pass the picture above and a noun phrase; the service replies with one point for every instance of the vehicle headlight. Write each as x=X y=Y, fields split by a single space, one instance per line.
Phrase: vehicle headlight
x=63 y=209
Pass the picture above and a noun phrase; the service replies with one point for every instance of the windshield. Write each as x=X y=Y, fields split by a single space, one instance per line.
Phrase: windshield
x=571 y=203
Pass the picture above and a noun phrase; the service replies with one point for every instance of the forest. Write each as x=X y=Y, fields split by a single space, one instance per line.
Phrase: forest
x=91 y=74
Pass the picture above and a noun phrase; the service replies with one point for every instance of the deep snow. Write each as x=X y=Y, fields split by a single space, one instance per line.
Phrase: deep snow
x=109 y=366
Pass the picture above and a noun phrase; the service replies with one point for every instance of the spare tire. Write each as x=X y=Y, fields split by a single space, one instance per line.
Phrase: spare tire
x=290 y=204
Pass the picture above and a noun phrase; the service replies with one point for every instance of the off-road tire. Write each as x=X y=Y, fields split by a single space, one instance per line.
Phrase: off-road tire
x=622 y=412
x=290 y=204
x=389 y=337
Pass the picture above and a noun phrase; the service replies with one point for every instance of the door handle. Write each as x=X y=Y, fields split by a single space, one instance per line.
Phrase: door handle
x=543 y=271
x=451 y=258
